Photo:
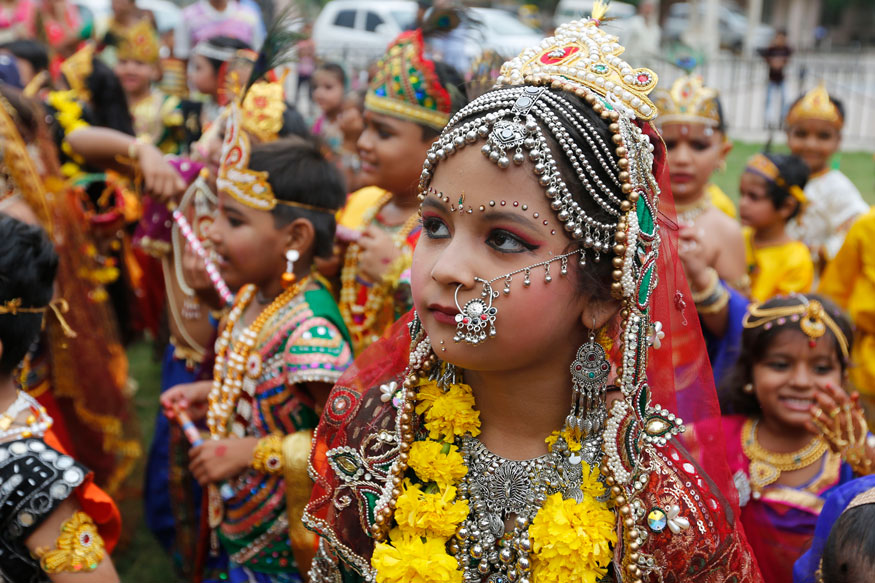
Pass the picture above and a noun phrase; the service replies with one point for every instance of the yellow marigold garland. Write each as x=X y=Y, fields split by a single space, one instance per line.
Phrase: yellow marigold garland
x=570 y=541
x=69 y=117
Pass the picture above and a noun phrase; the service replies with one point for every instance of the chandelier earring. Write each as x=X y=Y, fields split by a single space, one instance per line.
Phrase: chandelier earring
x=589 y=376
x=288 y=279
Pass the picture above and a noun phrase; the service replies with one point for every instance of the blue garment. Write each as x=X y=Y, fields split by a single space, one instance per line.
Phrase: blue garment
x=838 y=499
x=723 y=351
x=234 y=573
x=156 y=494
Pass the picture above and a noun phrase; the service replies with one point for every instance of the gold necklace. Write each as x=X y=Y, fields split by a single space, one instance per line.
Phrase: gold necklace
x=362 y=332
x=228 y=384
x=766 y=466
x=688 y=213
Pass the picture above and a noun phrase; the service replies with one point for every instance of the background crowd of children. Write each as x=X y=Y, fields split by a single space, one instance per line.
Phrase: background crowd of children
x=312 y=226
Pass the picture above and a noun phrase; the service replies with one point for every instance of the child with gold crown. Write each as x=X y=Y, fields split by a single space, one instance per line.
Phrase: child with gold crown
x=814 y=132
x=524 y=423
x=280 y=348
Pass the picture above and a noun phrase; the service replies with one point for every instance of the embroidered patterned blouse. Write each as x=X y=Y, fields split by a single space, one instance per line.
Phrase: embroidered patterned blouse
x=34 y=480
x=304 y=342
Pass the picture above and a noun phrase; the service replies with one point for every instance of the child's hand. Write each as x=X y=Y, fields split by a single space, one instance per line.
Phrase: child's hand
x=189 y=396
x=691 y=252
x=378 y=251
x=161 y=180
x=839 y=418
x=221 y=459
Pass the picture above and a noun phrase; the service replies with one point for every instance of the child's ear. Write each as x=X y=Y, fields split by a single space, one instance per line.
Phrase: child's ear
x=788 y=207
x=725 y=148
x=301 y=235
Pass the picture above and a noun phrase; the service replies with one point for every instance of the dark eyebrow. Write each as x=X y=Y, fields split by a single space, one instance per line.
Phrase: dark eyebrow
x=489 y=215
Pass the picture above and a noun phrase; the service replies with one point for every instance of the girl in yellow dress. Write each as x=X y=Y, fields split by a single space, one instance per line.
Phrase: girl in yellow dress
x=771 y=195
x=408 y=102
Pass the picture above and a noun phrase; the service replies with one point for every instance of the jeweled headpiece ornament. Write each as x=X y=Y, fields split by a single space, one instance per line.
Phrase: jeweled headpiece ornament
x=77 y=68
x=407 y=86
x=263 y=108
x=815 y=104
x=247 y=186
x=867 y=497
x=688 y=101
x=760 y=165
x=58 y=307
x=810 y=315
x=139 y=42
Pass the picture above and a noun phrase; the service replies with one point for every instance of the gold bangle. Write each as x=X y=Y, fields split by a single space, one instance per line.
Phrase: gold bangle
x=715 y=306
x=79 y=548
x=268 y=455
x=703 y=295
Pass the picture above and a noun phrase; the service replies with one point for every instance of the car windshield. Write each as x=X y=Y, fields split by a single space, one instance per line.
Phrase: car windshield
x=403 y=18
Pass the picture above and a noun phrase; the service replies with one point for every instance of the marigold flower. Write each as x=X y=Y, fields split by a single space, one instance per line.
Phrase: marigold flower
x=429 y=514
x=412 y=559
x=432 y=465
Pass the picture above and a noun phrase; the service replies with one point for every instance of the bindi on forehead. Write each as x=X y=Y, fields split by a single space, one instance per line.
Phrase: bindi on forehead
x=456 y=204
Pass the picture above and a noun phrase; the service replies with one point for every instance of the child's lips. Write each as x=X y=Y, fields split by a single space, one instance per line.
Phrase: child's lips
x=796 y=403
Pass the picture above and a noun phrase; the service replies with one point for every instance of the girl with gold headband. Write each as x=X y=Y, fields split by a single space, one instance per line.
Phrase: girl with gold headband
x=280 y=348
x=449 y=452
x=408 y=102
x=814 y=132
x=771 y=195
x=792 y=432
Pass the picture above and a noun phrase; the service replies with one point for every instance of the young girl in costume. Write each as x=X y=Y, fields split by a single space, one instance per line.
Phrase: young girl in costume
x=843 y=549
x=58 y=525
x=814 y=132
x=210 y=62
x=157 y=117
x=692 y=126
x=792 y=433
x=280 y=349
x=449 y=451
x=771 y=195
x=329 y=85
x=401 y=122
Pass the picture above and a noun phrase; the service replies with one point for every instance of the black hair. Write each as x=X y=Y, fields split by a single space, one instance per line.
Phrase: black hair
x=27 y=112
x=849 y=553
x=28 y=264
x=298 y=171
x=755 y=344
x=454 y=83
x=109 y=106
x=721 y=116
x=335 y=69
x=294 y=123
x=224 y=42
x=29 y=50
x=839 y=105
x=794 y=172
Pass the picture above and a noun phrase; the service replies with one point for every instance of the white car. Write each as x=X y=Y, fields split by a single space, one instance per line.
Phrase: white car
x=357 y=32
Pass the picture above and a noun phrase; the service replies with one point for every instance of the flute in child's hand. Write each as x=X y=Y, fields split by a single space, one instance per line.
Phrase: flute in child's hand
x=188 y=427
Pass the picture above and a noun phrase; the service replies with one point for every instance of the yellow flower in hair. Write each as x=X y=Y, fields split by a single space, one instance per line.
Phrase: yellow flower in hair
x=572 y=541
x=431 y=464
x=412 y=559
x=448 y=413
x=429 y=514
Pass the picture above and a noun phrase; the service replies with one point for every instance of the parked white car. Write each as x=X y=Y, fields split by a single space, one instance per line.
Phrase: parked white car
x=357 y=32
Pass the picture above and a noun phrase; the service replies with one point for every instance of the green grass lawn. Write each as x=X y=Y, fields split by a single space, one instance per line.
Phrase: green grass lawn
x=143 y=561
x=858 y=166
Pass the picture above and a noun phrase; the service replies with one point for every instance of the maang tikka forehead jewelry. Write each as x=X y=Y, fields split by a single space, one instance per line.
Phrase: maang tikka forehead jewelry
x=478 y=315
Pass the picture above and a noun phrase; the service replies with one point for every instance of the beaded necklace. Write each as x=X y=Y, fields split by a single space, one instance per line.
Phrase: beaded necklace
x=376 y=294
x=687 y=214
x=227 y=385
x=766 y=466
x=37 y=422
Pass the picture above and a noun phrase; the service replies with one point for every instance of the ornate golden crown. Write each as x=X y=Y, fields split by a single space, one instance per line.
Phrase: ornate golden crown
x=77 y=68
x=263 y=109
x=246 y=186
x=689 y=101
x=139 y=43
x=584 y=59
x=816 y=105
